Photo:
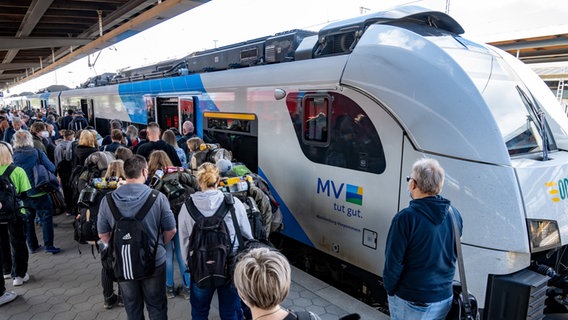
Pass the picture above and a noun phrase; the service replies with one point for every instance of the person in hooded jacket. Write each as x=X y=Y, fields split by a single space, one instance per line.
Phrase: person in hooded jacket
x=420 y=251
x=207 y=201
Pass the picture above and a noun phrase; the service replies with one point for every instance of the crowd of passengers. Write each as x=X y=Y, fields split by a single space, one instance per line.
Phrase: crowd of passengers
x=63 y=143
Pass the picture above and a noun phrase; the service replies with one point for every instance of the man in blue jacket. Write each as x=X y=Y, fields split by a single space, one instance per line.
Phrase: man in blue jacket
x=420 y=251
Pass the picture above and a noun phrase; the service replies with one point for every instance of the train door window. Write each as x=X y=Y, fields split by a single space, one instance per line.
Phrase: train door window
x=150 y=109
x=187 y=108
x=316 y=119
x=236 y=132
x=168 y=114
x=87 y=109
x=347 y=138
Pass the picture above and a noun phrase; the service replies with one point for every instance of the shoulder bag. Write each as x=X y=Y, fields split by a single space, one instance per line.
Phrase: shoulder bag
x=464 y=304
x=44 y=179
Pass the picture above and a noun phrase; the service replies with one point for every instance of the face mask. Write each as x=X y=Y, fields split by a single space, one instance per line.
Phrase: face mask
x=45 y=134
x=53 y=133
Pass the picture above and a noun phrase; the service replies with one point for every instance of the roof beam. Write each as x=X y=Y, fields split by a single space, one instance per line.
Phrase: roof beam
x=18 y=65
x=146 y=19
x=529 y=44
x=7 y=43
x=35 y=11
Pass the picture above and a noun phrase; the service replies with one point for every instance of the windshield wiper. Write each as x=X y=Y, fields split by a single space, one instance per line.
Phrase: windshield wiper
x=542 y=118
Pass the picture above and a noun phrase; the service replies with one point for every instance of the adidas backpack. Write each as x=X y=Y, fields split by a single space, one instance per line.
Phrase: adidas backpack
x=131 y=255
x=210 y=246
x=8 y=194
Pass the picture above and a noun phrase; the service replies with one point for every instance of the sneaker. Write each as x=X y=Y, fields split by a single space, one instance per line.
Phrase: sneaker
x=111 y=301
x=8 y=296
x=185 y=292
x=170 y=292
x=52 y=249
x=36 y=250
x=18 y=281
x=120 y=303
x=7 y=276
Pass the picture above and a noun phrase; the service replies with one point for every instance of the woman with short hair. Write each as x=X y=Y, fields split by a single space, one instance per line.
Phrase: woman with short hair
x=263 y=278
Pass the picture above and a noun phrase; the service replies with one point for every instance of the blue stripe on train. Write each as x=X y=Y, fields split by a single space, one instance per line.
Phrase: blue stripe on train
x=291 y=226
x=132 y=93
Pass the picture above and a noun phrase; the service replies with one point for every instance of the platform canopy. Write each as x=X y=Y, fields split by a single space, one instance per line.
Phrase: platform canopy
x=549 y=48
x=39 y=36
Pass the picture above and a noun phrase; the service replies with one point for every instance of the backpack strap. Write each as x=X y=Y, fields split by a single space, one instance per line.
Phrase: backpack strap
x=147 y=205
x=141 y=213
x=192 y=209
x=9 y=170
x=229 y=199
x=196 y=214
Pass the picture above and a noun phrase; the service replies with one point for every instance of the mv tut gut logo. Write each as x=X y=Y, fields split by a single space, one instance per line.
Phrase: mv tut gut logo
x=558 y=190
x=351 y=193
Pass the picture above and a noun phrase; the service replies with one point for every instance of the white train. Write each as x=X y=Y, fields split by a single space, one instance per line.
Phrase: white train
x=335 y=120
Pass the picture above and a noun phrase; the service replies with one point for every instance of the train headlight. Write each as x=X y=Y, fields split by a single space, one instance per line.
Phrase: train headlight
x=543 y=234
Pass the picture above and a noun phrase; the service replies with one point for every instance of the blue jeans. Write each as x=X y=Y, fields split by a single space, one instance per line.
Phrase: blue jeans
x=174 y=248
x=401 y=309
x=229 y=302
x=44 y=210
x=150 y=291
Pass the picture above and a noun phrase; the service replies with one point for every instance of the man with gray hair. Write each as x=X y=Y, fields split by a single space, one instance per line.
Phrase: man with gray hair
x=188 y=132
x=420 y=252
x=9 y=133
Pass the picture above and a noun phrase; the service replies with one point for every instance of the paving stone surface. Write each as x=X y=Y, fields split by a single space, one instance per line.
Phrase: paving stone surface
x=66 y=286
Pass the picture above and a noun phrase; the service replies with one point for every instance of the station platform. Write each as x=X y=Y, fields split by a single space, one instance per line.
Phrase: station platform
x=67 y=286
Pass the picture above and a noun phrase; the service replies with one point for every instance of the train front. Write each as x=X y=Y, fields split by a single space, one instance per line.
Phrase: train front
x=503 y=140
x=534 y=130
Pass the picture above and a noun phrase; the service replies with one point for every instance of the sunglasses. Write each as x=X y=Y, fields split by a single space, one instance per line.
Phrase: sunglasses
x=408 y=178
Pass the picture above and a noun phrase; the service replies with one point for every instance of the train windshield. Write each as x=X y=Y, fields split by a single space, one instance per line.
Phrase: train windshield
x=517 y=112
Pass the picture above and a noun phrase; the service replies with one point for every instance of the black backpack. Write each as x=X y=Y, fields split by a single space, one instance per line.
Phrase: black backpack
x=255 y=219
x=132 y=256
x=8 y=196
x=210 y=246
x=89 y=203
x=175 y=187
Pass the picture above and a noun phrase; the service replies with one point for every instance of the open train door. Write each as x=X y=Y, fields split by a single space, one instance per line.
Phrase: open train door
x=88 y=111
x=236 y=132
x=167 y=112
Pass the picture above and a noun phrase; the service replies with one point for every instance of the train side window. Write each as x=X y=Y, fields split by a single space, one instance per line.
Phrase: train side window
x=150 y=111
x=346 y=139
x=316 y=119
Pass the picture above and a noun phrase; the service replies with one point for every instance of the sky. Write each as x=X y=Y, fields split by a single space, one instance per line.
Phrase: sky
x=222 y=22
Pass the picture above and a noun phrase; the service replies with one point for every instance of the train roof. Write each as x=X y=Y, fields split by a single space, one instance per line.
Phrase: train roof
x=415 y=14
x=334 y=39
